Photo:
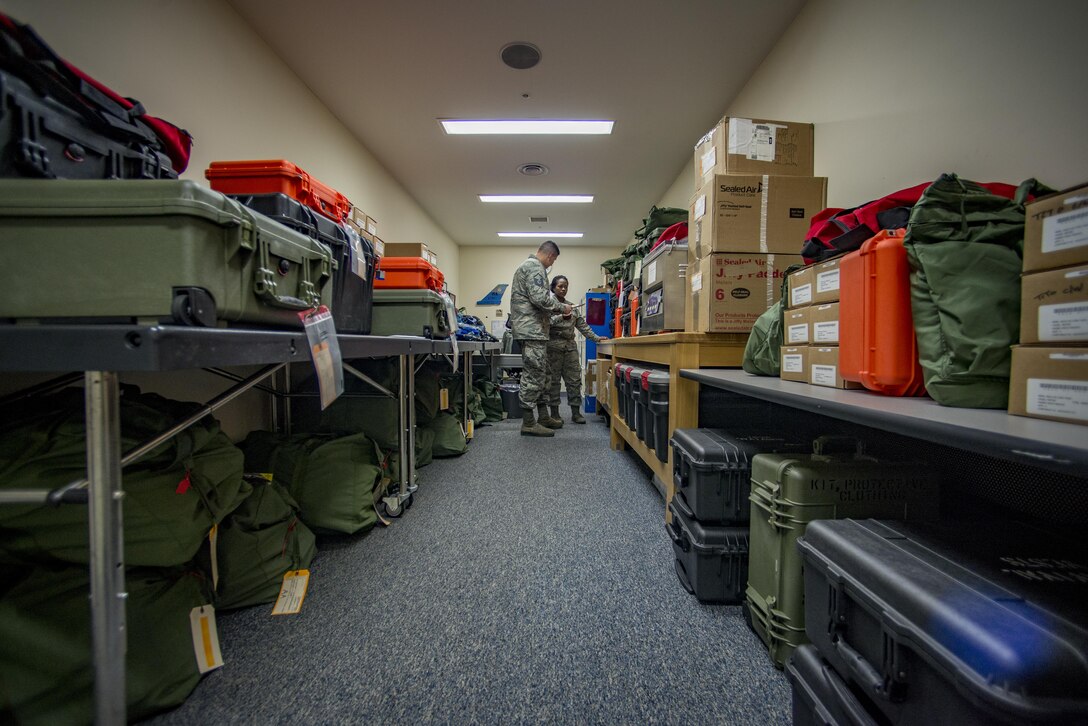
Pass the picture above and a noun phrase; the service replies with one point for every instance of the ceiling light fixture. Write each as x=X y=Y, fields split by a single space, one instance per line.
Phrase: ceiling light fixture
x=540 y=198
x=540 y=234
x=524 y=126
x=520 y=56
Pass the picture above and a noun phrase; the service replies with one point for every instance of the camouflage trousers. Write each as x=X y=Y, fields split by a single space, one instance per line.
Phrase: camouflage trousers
x=564 y=366
x=534 y=373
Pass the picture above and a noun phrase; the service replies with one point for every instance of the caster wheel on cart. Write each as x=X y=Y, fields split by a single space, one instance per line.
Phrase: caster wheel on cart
x=409 y=500
x=392 y=508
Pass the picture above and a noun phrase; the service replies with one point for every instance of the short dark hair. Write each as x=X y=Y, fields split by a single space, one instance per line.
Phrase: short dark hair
x=548 y=247
x=557 y=278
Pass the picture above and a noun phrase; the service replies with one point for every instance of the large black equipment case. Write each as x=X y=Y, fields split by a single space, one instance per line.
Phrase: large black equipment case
x=820 y=696
x=41 y=137
x=964 y=624
x=712 y=470
x=711 y=562
x=352 y=294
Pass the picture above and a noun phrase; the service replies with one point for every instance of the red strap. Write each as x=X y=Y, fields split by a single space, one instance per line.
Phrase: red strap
x=184 y=484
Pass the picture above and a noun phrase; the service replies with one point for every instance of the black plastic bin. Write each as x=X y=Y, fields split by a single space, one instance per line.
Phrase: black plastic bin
x=820 y=696
x=644 y=422
x=968 y=623
x=619 y=372
x=352 y=294
x=657 y=392
x=511 y=404
x=712 y=470
x=631 y=390
x=711 y=562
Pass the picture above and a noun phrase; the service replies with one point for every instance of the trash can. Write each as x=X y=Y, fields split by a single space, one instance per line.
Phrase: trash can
x=510 y=403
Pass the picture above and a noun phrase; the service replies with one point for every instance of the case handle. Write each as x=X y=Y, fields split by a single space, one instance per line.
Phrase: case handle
x=683 y=575
x=264 y=284
x=868 y=677
x=848 y=701
x=674 y=535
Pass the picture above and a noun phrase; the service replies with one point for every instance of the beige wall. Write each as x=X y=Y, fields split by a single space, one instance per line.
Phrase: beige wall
x=197 y=64
x=899 y=93
x=483 y=267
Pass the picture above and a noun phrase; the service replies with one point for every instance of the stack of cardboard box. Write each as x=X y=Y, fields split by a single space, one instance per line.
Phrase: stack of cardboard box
x=754 y=196
x=811 y=327
x=1050 y=366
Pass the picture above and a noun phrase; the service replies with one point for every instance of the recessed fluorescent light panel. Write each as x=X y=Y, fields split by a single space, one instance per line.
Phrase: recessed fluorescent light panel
x=539 y=198
x=525 y=126
x=540 y=234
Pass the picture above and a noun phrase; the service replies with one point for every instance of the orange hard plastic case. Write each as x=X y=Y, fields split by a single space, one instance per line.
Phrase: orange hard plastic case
x=877 y=344
x=277 y=176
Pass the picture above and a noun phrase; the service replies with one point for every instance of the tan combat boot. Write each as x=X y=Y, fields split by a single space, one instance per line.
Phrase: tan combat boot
x=529 y=426
x=552 y=422
x=576 y=415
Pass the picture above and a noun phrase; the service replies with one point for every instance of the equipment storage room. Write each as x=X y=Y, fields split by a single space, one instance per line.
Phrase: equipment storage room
x=616 y=362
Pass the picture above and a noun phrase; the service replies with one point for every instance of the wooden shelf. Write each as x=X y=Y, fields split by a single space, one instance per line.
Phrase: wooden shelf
x=661 y=469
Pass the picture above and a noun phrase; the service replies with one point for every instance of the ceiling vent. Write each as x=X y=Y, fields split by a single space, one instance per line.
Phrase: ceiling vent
x=520 y=56
x=539 y=220
x=533 y=169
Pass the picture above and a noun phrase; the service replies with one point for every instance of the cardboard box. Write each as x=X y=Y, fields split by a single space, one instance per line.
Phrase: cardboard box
x=591 y=378
x=825 y=276
x=406 y=249
x=794 y=363
x=799 y=292
x=823 y=368
x=1050 y=383
x=379 y=246
x=795 y=327
x=432 y=258
x=1056 y=231
x=762 y=214
x=358 y=217
x=754 y=146
x=1054 y=306
x=824 y=324
x=729 y=292
x=371 y=225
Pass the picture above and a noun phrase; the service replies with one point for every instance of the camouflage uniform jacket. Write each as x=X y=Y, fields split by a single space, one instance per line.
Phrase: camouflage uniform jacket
x=530 y=301
x=562 y=330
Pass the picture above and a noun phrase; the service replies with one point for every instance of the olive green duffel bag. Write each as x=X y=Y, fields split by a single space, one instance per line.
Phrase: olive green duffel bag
x=173 y=495
x=333 y=479
x=256 y=545
x=46 y=674
x=965 y=245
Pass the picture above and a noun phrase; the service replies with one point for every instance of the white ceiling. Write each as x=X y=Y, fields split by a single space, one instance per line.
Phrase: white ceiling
x=664 y=71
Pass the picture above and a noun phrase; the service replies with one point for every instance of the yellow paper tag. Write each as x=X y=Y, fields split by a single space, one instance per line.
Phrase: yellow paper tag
x=444 y=399
x=266 y=475
x=205 y=638
x=471 y=429
x=213 y=541
x=292 y=592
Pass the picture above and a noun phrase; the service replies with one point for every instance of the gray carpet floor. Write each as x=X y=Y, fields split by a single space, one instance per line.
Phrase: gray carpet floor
x=531 y=582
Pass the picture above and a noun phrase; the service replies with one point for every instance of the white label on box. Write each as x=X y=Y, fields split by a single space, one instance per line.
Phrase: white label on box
x=708 y=160
x=793 y=363
x=700 y=206
x=651 y=273
x=827 y=281
x=1065 y=231
x=825 y=332
x=697 y=282
x=1064 y=322
x=1068 y=399
x=824 y=375
x=762 y=146
x=740 y=135
x=798 y=333
x=801 y=295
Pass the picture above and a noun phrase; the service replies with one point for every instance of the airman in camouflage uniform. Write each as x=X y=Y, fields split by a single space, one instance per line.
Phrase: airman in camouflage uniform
x=564 y=364
x=531 y=307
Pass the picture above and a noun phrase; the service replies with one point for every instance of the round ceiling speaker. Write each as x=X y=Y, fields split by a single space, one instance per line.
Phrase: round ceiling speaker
x=533 y=169
x=520 y=56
